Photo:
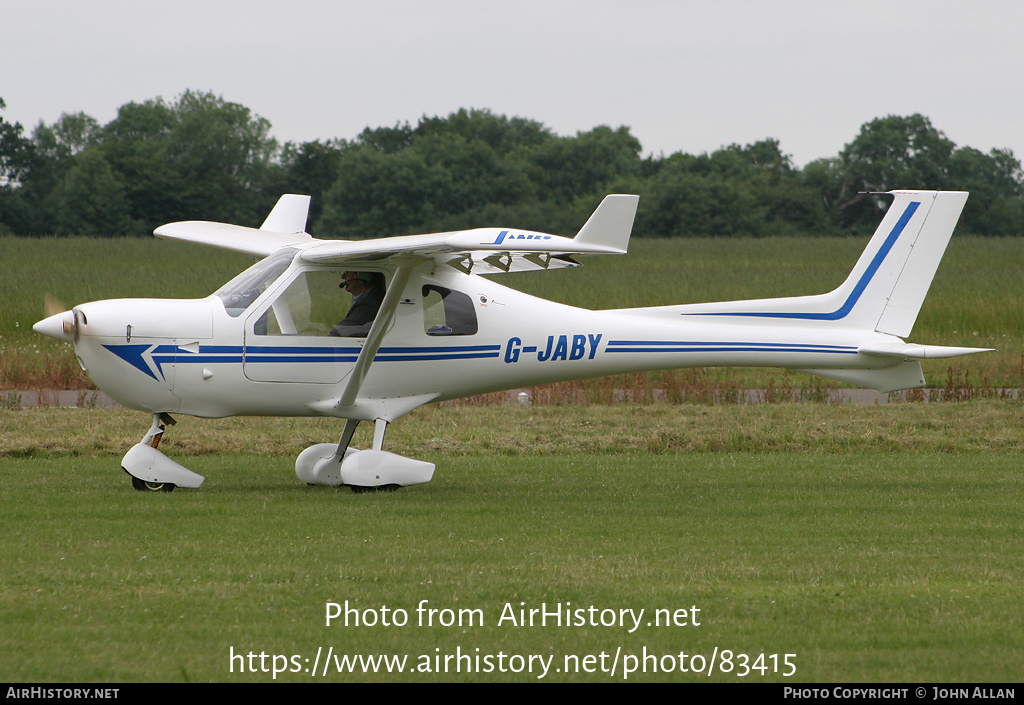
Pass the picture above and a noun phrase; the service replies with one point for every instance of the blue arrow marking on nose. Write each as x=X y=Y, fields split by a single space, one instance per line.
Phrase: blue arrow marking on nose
x=132 y=354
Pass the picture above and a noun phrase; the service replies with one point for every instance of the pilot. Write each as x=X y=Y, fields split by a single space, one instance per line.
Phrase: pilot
x=367 y=289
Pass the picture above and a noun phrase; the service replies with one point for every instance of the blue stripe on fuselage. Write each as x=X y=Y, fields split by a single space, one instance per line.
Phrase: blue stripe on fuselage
x=680 y=346
x=139 y=356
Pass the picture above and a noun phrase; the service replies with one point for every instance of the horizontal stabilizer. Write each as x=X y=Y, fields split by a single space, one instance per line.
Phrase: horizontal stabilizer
x=918 y=352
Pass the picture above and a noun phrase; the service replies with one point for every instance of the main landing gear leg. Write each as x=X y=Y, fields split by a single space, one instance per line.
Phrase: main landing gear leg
x=346 y=439
x=380 y=427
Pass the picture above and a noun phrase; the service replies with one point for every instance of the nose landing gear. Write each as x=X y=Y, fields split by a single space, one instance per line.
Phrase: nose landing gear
x=151 y=470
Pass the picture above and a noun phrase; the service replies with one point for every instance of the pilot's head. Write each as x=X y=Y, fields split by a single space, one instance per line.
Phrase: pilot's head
x=356 y=283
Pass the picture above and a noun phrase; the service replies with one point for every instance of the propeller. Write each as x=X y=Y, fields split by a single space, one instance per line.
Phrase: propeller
x=52 y=305
x=59 y=322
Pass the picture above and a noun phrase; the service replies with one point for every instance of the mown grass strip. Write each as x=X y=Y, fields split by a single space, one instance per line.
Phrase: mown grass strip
x=516 y=431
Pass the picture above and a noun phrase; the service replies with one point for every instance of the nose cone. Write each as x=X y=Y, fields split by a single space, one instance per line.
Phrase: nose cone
x=60 y=326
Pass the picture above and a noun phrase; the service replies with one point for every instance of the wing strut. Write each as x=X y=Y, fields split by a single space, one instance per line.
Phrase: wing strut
x=376 y=335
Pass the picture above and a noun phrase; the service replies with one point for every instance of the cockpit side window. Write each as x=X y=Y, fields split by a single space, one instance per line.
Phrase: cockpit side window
x=241 y=291
x=311 y=305
x=447 y=312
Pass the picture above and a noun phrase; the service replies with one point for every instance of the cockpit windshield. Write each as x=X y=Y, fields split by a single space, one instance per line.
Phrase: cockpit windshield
x=241 y=291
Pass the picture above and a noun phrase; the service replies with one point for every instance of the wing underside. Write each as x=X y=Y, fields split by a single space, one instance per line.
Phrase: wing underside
x=428 y=251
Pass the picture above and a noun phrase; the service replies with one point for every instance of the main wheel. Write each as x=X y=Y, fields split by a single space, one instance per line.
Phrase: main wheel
x=361 y=489
x=144 y=486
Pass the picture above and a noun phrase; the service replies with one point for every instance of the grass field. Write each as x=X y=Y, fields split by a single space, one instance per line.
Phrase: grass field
x=873 y=543
x=976 y=299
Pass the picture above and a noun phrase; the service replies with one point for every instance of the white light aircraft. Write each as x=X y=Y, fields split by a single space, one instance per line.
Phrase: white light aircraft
x=263 y=345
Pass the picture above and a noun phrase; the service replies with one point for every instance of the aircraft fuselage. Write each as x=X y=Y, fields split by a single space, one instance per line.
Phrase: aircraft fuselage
x=192 y=357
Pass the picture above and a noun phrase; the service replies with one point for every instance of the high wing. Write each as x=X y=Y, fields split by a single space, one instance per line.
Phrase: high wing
x=285 y=226
x=493 y=250
x=480 y=251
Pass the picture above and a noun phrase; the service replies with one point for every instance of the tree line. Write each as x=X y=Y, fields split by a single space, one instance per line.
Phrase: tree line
x=203 y=158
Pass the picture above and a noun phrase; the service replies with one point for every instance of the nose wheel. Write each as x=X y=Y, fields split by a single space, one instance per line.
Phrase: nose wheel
x=144 y=486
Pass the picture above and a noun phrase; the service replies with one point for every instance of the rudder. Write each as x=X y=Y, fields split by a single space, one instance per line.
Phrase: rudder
x=908 y=291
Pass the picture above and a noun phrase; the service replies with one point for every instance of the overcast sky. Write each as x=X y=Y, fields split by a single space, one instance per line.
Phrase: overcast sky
x=687 y=76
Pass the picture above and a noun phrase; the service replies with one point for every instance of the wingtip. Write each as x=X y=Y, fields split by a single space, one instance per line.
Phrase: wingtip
x=611 y=224
x=289 y=215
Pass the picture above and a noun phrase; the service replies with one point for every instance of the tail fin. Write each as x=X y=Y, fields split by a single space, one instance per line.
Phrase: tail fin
x=887 y=286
